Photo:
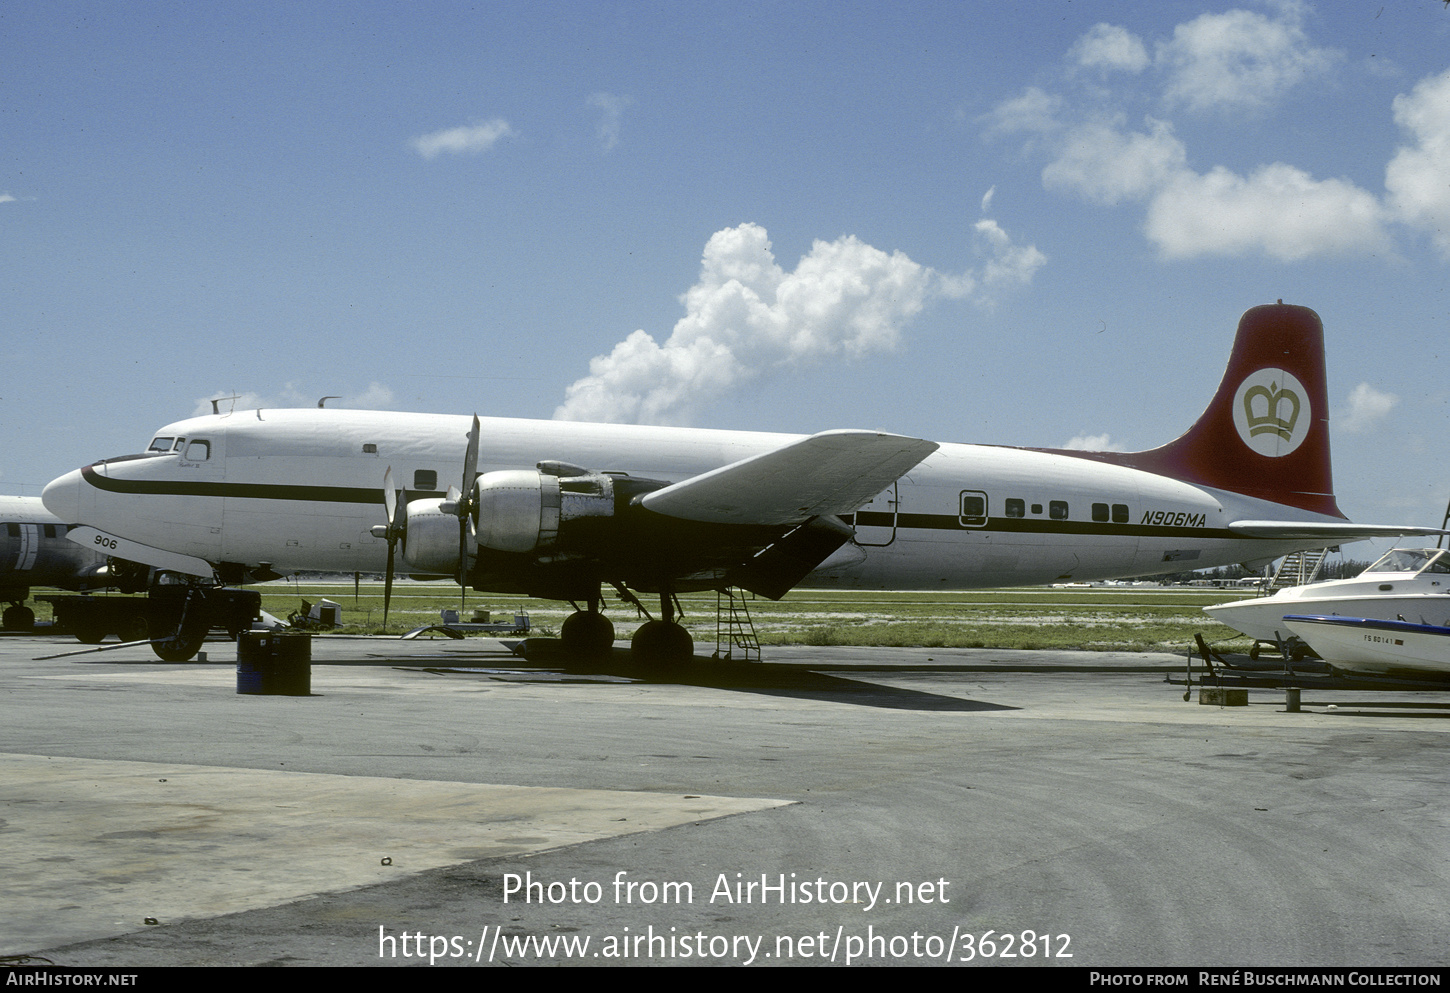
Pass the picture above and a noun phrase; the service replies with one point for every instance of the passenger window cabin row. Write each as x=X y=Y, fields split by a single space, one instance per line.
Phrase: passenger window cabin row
x=974 y=510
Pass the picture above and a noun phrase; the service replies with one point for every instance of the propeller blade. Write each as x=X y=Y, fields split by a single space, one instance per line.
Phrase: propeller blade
x=398 y=526
x=462 y=548
x=470 y=459
x=396 y=530
x=390 y=496
x=398 y=522
x=388 y=586
x=465 y=501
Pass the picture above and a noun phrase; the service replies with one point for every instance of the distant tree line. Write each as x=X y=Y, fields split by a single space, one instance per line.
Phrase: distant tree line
x=1334 y=568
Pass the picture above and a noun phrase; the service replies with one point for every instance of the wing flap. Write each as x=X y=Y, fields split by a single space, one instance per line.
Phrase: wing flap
x=1330 y=532
x=829 y=473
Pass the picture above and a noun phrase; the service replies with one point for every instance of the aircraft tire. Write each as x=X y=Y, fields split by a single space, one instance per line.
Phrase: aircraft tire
x=182 y=613
x=659 y=642
x=19 y=618
x=587 y=633
x=178 y=648
x=135 y=629
x=88 y=631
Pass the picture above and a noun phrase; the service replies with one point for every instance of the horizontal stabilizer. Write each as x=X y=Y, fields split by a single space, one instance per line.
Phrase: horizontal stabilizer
x=829 y=473
x=1330 y=532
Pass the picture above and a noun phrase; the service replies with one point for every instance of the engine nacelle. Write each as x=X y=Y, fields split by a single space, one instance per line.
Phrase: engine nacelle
x=430 y=544
x=523 y=510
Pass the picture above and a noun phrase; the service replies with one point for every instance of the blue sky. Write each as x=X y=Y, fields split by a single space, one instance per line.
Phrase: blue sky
x=1030 y=224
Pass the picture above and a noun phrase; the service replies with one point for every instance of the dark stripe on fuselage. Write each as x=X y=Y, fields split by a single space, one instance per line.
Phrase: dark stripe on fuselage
x=250 y=491
x=1023 y=525
x=911 y=522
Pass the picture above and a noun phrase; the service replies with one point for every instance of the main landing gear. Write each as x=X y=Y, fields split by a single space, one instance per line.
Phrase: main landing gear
x=180 y=614
x=179 y=620
x=662 y=642
x=588 y=632
x=665 y=640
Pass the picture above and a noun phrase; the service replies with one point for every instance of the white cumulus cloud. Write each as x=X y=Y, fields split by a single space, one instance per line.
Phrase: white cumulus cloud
x=1234 y=60
x=1107 y=166
x=1240 y=59
x=611 y=109
x=375 y=397
x=1416 y=177
x=1109 y=47
x=747 y=316
x=1279 y=211
x=1035 y=111
x=1366 y=408
x=468 y=139
x=1008 y=263
x=1094 y=443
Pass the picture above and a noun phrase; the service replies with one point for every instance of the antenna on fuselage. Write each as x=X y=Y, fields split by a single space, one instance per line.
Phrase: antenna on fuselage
x=324 y=400
x=217 y=401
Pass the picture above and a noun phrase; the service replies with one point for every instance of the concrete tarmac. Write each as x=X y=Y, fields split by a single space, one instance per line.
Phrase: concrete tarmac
x=448 y=803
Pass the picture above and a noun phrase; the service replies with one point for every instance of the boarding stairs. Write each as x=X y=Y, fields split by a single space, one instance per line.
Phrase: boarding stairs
x=1297 y=569
x=734 y=630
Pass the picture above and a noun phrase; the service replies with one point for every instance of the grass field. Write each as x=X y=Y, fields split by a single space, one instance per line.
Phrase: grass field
x=1100 y=619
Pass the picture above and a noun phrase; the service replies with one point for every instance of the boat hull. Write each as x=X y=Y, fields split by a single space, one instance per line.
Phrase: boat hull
x=1262 y=618
x=1377 y=647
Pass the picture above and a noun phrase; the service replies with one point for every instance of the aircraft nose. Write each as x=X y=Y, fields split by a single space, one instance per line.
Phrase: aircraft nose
x=62 y=497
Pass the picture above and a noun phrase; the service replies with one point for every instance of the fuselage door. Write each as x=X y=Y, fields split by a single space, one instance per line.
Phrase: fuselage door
x=199 y=470
x=876 y=520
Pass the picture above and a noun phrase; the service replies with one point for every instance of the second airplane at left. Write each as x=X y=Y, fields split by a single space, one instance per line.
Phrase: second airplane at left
x=34 y=552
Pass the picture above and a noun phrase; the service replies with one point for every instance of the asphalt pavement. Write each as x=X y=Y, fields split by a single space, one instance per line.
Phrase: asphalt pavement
x=449 y=803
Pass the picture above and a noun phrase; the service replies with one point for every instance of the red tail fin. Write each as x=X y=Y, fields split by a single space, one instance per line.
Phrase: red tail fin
x=1265 y=434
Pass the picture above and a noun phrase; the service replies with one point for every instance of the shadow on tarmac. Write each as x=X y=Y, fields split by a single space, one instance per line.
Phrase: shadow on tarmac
x=774 y=679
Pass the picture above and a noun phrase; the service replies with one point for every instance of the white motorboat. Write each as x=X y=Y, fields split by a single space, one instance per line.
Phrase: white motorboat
x=1371 y=646
x=1408 y=584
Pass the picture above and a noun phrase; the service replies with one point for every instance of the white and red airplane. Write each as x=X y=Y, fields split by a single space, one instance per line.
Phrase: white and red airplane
x=560 y=509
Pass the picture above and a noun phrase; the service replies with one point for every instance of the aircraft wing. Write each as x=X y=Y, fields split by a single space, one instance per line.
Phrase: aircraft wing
x=1331 y=532
x=834 y=472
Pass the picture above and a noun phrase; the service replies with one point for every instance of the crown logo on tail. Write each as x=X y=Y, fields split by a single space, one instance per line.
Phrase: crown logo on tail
x=1269 y=421
x=1272 y=412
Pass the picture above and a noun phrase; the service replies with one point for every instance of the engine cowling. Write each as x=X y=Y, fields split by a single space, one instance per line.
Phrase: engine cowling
x=520 y=511
x=532 y=511
x=430 y=544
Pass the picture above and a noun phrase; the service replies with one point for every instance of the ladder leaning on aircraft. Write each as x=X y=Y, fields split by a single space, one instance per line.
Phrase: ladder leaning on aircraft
x=562 y=510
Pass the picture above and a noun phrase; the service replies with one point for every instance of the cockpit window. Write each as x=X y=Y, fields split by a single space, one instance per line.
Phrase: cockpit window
x=198 y=451
x=161 y=444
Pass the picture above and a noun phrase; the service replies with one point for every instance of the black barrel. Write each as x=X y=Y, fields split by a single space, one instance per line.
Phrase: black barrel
x=274 y=664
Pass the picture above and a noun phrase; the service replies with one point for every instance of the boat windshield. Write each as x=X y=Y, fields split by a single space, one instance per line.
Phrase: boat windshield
x=1432 y=560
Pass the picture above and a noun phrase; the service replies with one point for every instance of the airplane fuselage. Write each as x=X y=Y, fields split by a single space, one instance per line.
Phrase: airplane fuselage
x=34 y=552
x=292 y=490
